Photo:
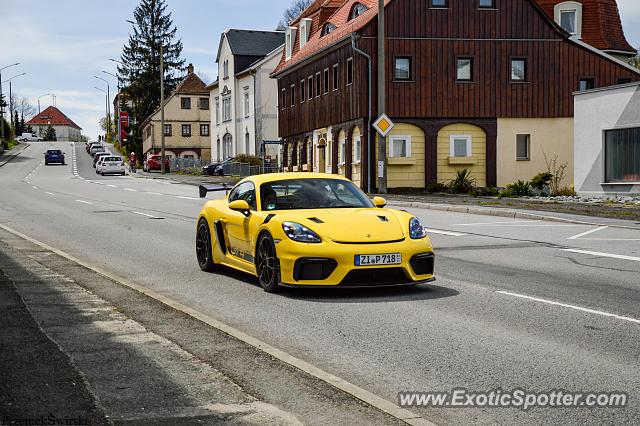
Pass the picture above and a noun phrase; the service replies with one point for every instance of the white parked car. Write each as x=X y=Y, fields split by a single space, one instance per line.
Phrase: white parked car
x=29 y=137
x=111 y=164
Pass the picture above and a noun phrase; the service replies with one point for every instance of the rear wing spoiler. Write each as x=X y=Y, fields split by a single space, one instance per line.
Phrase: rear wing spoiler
x=204 y=189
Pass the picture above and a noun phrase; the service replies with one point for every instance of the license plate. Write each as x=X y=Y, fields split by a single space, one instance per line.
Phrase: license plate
x=113 y=164
x=378 y=259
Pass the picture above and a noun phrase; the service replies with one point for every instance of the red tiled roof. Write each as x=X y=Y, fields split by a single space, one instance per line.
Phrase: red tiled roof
x=601 y=24
x=344 y=27
x=192 y=84
x=53 y=116
x=317 y=6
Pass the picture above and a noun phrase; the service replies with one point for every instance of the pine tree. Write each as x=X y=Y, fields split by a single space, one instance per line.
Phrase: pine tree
x=16 y=124
x=140 y=69
x=50 y=134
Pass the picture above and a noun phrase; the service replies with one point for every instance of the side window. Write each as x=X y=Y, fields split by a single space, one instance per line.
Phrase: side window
x=245 y=191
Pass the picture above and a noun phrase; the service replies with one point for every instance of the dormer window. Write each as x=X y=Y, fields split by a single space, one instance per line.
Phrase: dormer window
x=328 y=28
x=357 y=10
x=569 y=16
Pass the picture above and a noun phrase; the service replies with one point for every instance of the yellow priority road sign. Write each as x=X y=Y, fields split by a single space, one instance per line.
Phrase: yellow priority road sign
x=383 y=125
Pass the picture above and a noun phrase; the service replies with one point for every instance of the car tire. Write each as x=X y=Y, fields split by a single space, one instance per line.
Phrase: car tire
x=204 y=252
x=267 y=264
x=46 y=163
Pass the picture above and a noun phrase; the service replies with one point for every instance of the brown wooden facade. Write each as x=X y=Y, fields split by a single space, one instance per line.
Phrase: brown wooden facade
x=434 y=38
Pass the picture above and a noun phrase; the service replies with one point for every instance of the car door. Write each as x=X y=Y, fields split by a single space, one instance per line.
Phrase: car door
x=237 y=225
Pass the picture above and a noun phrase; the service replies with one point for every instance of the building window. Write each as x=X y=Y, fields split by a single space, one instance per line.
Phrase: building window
x=293 y=95
x=439 y=3
x=622 y=155
x=568 y=21
x=400 y=146
x=204 y=130
x=336 y=78
x=624 y=80
x=310 y=87
x=518 y=69
x=167 y=130
x=328 y=29
x=226 y=109
x=402 y=68
x=303 y=94
x=357 y=149
x=225 y=68
x=318 y=85
x=357 y=10
x=585 y=84
x=283 y=99
x=247 y=108
x=185 y=103
x=227 y=146
x=217 y=111
x=460 y=146
x=523 y=147
x=342 y=152
x=186 y=130
x=204 y=103
x=486 y=4
x=349 y=71
x=247 y=143
x=326 y=81
x=464 y=69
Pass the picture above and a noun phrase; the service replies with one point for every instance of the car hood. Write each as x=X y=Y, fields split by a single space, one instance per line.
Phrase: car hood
x=351 y=226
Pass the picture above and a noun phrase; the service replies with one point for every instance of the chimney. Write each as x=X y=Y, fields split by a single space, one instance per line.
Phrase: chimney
x=190 y=69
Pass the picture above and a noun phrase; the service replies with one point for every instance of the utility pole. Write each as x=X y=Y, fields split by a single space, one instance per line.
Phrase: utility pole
x=108 y=106
x=382 y=78
x=11 y=94
x=118 y=111
x=162 y=157
x=1 y=108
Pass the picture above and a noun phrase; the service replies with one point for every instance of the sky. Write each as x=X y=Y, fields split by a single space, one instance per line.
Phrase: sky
x=63 y=44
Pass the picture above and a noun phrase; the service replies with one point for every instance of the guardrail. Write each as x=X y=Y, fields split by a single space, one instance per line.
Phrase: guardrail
x=237 y=169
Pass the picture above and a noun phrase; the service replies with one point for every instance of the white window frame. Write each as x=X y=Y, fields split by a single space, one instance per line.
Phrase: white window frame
x=468 y=138
x=217 y=111
x=342 y=152
x=357 y=151
x=247 y=105
x=528 y=157
x=394 y=138
x=226 y=109
x=569 y=6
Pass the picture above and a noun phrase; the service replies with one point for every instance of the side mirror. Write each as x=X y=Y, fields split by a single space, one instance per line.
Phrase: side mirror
x=240 y=206
x=379 y=202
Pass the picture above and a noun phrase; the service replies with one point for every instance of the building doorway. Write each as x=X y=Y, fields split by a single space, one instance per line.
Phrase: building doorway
x=322 y=159
x=227 y=146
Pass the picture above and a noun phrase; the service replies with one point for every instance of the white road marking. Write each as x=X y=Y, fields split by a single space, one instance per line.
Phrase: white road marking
x=154 y=193
x=84 y=202
x=187 y=198
x=531 y=223
x=34 y=187
x=495 y=223
x=612 y=256
x=147 y=215
x=112 y=186
x=584 y=234
x=437 y=231
x=566 y=305
x=130 y=190
x=51 y=193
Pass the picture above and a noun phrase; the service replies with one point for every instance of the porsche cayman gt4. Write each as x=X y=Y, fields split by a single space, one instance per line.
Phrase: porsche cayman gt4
x=308 y=229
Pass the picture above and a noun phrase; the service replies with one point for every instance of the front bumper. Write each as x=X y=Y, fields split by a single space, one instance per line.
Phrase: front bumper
x=333 y=264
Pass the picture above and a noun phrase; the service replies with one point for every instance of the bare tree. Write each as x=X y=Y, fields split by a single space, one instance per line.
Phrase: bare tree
x=635 y=61
x=292 y=12
x=23 y=107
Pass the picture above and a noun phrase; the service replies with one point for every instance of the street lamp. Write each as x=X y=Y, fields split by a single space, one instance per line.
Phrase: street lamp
x=1 y=109
x=42 y=96
x=118 y=97
x=108 y=107
x=10 y=94
x=106 y=100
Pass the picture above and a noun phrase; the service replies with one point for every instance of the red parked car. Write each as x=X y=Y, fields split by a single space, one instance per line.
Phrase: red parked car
x=153 y=162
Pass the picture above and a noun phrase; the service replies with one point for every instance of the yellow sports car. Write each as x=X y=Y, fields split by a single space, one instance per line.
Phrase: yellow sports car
x=309 y=229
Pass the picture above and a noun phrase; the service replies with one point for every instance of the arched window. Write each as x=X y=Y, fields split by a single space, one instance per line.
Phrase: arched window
x=328 y=28
x=357 y=10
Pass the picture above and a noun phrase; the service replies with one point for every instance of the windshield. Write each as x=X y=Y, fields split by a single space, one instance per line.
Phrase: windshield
x=305 y=194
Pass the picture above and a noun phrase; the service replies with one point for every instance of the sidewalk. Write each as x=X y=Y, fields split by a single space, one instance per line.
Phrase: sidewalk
x=185 y=179
x=9 y=155
x=605 y=214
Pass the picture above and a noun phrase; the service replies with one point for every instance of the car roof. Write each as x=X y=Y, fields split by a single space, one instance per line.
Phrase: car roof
x=275 y=177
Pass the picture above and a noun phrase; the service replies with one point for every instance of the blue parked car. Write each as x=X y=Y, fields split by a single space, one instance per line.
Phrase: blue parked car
x=54 y=156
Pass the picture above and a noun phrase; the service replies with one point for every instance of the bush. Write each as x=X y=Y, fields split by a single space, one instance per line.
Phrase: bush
x=516 y=189
x=434 y=187
x=251 y=159
x=485 y=192
x=565 y=192
x=541 y=180
x=463 y=183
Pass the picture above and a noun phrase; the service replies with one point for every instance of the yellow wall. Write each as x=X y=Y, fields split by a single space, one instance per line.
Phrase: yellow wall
x=407 y=172
x=554 y=136
x=447 y=171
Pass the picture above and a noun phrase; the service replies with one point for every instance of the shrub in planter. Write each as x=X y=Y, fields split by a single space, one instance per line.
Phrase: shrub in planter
x=250 y=159
x=516 y=189
x=434 y=187
x=565 y=192
x=485 y=192
x=463 y=182
x=541 y=180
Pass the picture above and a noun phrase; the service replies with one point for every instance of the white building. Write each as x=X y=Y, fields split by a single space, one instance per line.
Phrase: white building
x=607 y=140
x=244 y=98
x=66 y=129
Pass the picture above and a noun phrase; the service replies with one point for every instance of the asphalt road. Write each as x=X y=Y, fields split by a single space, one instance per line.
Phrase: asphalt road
x=511 y=308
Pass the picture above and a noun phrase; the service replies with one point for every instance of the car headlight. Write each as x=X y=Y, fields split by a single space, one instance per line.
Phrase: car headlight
x=300 y=233
x=417 y=229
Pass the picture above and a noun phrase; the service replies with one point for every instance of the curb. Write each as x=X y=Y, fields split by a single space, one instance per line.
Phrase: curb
x=508 y=213
x=14 y=155
x=392 y=409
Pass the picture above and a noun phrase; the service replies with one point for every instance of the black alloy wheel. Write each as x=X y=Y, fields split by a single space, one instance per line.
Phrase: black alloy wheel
x=203 y=247
x=267 y=266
